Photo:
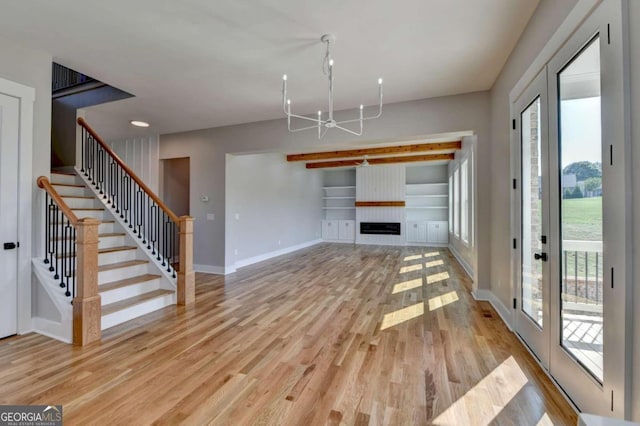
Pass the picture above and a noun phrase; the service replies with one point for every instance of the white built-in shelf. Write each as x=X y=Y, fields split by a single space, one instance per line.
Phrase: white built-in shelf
x=427 y=207
x=426 y=196
x=416 y=185
x=338 y=187
x=339 y=198
x=338 y=208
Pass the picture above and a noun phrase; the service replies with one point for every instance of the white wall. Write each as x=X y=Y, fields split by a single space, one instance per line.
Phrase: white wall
x=634 y=49
x=142 y=155
x=279 y=205
x=544 y=22
x=402 y=121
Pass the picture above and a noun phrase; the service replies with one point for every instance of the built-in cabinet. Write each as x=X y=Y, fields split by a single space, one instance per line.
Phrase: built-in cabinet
x=427 y=205
x=338 y=205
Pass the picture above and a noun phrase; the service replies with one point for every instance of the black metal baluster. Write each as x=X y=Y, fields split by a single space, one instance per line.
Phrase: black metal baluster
x=52 y=230
x=174 y=237
x=47 y=228
x=82 y=142
x=575 y=275
x=74 y=265
x=139 y=210
x=586 y=276
x=164 y=239
x=56 y=242
x=597 y=284
x=63 y=252
x=69 y=256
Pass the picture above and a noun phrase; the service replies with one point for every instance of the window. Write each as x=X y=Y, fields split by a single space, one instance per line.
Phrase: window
x=451 y=204
x=464 y=201
x=456 y=203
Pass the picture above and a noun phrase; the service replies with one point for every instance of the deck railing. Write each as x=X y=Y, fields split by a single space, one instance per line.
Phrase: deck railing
x=582 y=271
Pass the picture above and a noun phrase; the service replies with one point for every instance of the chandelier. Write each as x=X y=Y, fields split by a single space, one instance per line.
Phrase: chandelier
x=320 y=122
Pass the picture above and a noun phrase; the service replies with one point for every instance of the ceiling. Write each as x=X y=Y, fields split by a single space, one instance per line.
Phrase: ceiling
x=196 y=64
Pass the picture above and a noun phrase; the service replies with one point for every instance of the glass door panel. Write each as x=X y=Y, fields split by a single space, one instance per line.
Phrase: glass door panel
x=531 y=168
x=581 y=220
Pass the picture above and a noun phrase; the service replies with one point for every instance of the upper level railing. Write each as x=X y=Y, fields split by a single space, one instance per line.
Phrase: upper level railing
x=65 y=78
x=71 y=253
x=168 y=237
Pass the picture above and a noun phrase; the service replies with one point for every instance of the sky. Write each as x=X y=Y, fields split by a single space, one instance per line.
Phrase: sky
x=580 y=130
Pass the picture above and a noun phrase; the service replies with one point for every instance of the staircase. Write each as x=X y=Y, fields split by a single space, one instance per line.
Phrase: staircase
x=128 y=283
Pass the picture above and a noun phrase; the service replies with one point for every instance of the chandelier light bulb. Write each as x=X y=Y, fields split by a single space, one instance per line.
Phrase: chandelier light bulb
x=361 y=106
x=319 y=113
x=330 y=62
x=288 y=101
x=379 y=81
x=284 y=77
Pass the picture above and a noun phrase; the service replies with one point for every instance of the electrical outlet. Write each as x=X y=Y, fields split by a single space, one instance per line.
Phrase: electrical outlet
x=211 y=216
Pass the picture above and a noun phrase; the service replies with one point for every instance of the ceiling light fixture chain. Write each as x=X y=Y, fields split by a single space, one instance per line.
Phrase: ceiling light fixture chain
x=320 y=124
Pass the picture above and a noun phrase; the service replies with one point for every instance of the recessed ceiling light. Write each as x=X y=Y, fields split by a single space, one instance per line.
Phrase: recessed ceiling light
x=139 y=123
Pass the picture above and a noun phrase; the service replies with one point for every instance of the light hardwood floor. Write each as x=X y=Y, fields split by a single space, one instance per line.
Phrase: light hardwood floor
x=333 y=334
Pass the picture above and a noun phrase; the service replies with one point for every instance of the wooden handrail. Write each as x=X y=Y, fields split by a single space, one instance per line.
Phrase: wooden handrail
x=44 y=183
x=126 y=168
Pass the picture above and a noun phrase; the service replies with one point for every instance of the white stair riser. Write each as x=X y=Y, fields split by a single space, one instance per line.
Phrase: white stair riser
x=106 y=228
x=69 y=179
x=79 y=203
x=71 y=190
x=136 y=311
x=129 y=291
x=122 y=273
x=96 y=214
x=116 y=257
x=107 y=242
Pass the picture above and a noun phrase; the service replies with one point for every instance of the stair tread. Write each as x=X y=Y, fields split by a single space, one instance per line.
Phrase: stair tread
x=127 y=303
x=67 y=184
x=104 y=250
x=88 y=208
x=127 y=282
x=85 y=197
x=109 y=234
x=58 y=172
x=120 y=265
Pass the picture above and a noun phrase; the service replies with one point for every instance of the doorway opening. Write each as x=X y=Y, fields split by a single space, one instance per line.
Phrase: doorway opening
x=175 y=184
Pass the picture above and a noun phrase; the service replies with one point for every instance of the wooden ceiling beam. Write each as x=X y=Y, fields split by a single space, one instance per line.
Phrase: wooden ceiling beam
x=383 y=160
x=384 y=150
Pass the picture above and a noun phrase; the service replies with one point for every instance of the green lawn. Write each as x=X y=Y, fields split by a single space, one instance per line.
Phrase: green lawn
x=582 y=219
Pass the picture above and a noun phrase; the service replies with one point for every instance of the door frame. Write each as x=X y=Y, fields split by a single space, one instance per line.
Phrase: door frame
x=26 y=98
x=615 y=11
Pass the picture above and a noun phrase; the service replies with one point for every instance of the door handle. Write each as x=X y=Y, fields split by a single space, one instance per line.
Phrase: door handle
x=539 y=256
x=9 y=246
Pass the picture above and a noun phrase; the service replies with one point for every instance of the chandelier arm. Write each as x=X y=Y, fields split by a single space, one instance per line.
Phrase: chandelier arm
x=303 y=128
x=349 y=131
x=302 y=117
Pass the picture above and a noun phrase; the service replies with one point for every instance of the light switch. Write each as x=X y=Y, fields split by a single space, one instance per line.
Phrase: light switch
x=211 y=216
x=204 y=199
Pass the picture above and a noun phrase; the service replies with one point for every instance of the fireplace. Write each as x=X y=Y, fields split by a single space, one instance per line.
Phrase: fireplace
x=380 y=228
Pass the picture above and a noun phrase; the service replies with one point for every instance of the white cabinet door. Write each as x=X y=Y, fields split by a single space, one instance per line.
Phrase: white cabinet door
x=347 y=231
x=437 y=232
x=330 y=229
x=416 y=232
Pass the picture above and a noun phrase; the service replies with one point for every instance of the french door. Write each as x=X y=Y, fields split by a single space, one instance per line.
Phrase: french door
x=571 y=217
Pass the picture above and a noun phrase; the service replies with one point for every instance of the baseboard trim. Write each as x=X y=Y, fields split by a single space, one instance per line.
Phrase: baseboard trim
x=467 y=268
x=210 y=269
x=489 y=296
x=266 y=256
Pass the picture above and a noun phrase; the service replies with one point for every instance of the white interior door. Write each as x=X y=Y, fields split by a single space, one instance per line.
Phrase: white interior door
x=9 y=134
x=532 y=218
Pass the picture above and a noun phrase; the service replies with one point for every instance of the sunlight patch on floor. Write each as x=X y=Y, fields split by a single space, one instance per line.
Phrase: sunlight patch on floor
x=492 y=394
x=434 y=278
x=411 y=268
x=414 y=257
x=401 y=315
x=407 y=285
x=432 y=254
x=434 y=263
x=442 y=300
